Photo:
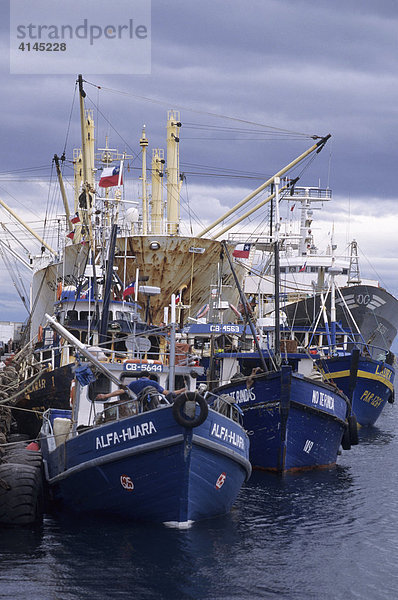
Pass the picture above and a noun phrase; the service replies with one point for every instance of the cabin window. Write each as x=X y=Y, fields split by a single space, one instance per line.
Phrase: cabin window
x=282 y=270
x=72 y=315
x=180 y=381
x=110 y=315
x=313 y=269
x=123 y=316
x=85 y=315
x=101 y=385
x=345 y=271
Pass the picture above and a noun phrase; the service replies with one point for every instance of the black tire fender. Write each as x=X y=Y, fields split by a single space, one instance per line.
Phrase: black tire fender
x=353 y=430
x=178 y=409
x=346 y=441
x=25 y=457
x=21 y=494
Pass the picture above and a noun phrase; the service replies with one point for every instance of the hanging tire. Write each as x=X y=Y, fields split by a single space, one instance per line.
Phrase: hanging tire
x=17 y=437
x=25 y=457
x=21 y=494
x=346 y=439
x=180 y=413
x=353 y=429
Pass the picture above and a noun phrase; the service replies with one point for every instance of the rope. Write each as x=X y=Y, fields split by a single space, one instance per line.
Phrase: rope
x=14 y=396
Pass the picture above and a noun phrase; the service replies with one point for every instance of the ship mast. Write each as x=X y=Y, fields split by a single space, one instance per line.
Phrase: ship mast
x=157 y=190
x=85 y=201
x=354 y=274
x=144 y=145
x=173 y=167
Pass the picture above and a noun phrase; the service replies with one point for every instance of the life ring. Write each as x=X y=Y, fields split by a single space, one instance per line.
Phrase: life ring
x=178 y=407
x=59 y=291
x=40 y=334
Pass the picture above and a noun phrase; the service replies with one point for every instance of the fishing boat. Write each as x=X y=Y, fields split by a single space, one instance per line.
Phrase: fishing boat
x=346 y=359
x=368 y=382
x=144 y=457
x=294 y=422
x=294 y=419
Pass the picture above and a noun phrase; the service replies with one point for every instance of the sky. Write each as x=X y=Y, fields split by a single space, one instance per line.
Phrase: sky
x=281 y=70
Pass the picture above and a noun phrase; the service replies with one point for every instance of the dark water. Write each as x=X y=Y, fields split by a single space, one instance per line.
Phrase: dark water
x=320 y=535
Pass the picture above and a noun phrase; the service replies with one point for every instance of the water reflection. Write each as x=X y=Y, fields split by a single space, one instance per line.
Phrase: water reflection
x=318 y=534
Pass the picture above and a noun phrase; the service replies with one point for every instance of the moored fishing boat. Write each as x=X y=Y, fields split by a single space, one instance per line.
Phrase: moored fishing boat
x=144 y=458
x=294 y=422
x=368 y=382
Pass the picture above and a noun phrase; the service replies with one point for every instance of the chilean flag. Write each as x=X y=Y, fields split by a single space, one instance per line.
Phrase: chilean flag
x=75 y=218
x=242 y=251
x=129 y=291
x=303 y=267
x=110 y=177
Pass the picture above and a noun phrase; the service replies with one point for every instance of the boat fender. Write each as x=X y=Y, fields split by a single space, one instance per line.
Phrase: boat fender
x=72 y=393
x=391 y=398
x=180 y=413
x=59 y=291
x=345 y=441
x=40 y=334
x=353 y=429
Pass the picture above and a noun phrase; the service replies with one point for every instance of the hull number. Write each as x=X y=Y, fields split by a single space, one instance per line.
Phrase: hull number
x=126 y=482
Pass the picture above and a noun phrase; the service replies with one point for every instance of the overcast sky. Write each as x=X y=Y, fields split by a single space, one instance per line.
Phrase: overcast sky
x=296 y=65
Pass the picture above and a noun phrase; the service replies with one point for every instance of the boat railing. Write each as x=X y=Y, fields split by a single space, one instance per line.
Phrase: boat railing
x=116 y=410
x=225 y=405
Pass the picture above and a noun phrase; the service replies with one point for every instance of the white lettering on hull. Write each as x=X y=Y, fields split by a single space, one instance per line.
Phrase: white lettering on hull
x=226 y=435
x=241 y=396
x=129 y=433
x=322 y=399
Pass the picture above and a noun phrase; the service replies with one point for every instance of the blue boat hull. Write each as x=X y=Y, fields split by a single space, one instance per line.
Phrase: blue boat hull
x=148 y=467
x=374 y=385
x=294 y=425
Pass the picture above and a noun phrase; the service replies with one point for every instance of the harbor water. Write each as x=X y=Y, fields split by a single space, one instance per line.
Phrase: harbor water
x=330 y=534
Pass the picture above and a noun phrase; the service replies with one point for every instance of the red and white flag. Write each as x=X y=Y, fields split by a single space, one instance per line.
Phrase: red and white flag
x=303 y=267
x=110 y=177
x=75 y=218
x=242 y=251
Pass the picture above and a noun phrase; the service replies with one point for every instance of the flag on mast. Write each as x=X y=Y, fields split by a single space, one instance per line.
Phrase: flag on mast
x=242 y=251
x=111 y=177
x=303 y=267
x=75 y=218
x=129 y=291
